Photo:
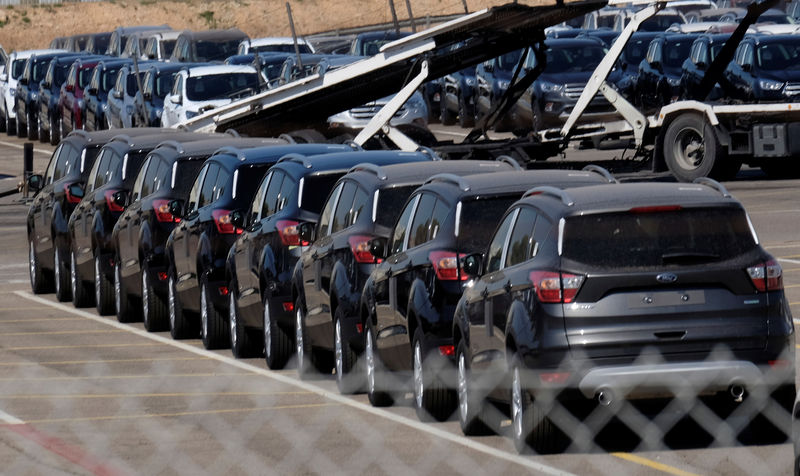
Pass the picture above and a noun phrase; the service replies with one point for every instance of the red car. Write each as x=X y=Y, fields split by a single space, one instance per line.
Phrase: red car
x=70 y=103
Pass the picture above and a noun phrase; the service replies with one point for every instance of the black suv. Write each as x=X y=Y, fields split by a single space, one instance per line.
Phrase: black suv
x=27 y=94
x=261 y=262
x=141 y=233
x=660 y=71
x=408 y=302
x=92 y=221
x=492 y=79
x=621 y=292
x=457 y=98
x=331 y=273
x=197 y=248
x=95 y=97
x=765 y=69
x=703 y=51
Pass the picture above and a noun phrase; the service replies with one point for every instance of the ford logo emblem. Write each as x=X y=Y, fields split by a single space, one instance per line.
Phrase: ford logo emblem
x=666 y=278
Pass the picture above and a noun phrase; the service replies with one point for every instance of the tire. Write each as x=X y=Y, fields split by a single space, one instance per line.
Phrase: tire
x=348 y=379
x=155 y=314
x=11 y=127
x=213 y=328
x=61 y=276
x=40 y=131
x=471 y=405
x=40 y=282
x=3 y=124
x=243 y=343
x=309 y=361
x=692 y=150
x=33 y=127
x=54 y=137
x=103 y=290
x=122 y=303
x=80 y=295
x=466 y=118
x=61 y=134
x=446 y=116
x=21 y=129
x=308 y=136
x=180 y=327
x=377 y=391
x=432 y=399
x=530 y=427
x=277 y=344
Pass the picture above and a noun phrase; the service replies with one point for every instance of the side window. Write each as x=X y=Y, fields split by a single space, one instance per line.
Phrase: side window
x=51 y=167
x=521 y=241
x=342 y=214
x=258 y=199
x=207 y=191
x=494 y=257
x=439 y=215
x=271 y=197
x=287 y=193
x=147 y=84
x=422 y=221
x=162 y=176
x=327 y=211
x=137 y=190
x=400 y=229
x=361 y=204
x=149 y=185
x=95 y=170
x=176 y=88
x=72 y=76
x=194 y=194
x=739 y=58
x=747 y=56
x=541 y=232
x=48 y=77
x=119 y=85
x=221 y=184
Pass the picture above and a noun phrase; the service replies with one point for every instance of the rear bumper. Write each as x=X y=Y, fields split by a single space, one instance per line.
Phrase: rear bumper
x=669 y=379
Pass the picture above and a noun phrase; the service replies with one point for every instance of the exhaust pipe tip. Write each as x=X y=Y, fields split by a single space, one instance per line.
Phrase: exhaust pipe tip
x=605 y=397
x=737 y=392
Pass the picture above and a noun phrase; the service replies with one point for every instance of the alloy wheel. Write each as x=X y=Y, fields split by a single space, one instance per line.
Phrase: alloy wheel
x=419 y=385
x=267 y=331
x=232 y=318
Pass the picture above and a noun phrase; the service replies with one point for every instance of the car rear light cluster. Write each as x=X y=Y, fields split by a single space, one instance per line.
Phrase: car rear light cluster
x=766 y=276
x=289 y=231
x=112 y=205
x=359 y=245
x=554 y=287
x=448 y=265
x=161 y=208
x=70 y=197
x=222 y=218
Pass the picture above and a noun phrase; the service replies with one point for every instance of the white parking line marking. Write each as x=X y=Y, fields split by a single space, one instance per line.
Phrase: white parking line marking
x=786 y=260
x=9 y=419
x=431 y=430
x=17 y=146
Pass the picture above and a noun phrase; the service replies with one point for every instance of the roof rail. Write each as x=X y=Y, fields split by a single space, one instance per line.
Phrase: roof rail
x=602 y=171
x=231 y=150
x=289 y=139
x=450 y=178
x=80 y=132
x=122 y=138
x=368 y=167
x=173 y=144
x=429 y=152
x=233 y=133
x=709 y=182
x=354 y=145
x=298 y=158
x=553 y=191
x=510 y=161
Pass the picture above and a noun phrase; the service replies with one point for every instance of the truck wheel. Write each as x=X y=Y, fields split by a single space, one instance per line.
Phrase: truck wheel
x=692 y=150
x=308 y=136
x=466 y=116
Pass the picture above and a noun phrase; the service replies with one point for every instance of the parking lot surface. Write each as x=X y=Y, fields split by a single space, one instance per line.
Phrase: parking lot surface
x=83 y=394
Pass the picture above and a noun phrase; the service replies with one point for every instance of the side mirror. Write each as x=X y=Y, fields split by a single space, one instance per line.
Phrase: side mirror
x=655 y=64
x=747 y=67
x=120 y=198
x=701 y=65
x=147 y=96
x=377 y=247
x=473 y=264
x=76 y=190
x=23 y=80
x=35 y=182
x=117 y=94
x=307 y=232
x=238 y=219
x=176 y=208
x=175 y=99
x=92 y=91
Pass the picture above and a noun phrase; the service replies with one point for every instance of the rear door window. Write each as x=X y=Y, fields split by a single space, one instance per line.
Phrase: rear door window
x=340 y=218
x=521 y=242
x=494 y=258
x=136 y=191
x=273 y=191
x=194 y=193
x=397 y=243
x=478 y=219
x=422 y=221
x=209 y=183
x=327 y=211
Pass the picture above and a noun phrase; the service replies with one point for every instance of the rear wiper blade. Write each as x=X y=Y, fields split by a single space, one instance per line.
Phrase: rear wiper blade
x=688 y=257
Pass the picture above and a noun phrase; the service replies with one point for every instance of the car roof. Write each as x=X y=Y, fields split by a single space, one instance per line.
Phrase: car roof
x=24 y=54
x=206 y=147
x=218 y=69
x=623 y=197
x=298 y=165
x=517 y=181
x=150 y=141
x=232 y=155
x=114 y=62
x=274 y=40
x=128 y=30
x=211 y=35
x=576 y=42
x=398 y=174
x=101 y=137
x=762 y=38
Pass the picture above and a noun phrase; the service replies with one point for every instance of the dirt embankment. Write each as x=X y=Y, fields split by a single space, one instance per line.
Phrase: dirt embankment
x=26 y=27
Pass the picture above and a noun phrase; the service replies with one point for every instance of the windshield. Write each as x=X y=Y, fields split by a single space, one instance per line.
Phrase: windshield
x=574 y=59
x=107 y=79
x=131 y=86
x=219 y=86
x=688 y=236
x=215 y=50
x=280 y=48
x=17 y=67
x=84 y=76
x=660 y=22
x=39 y=70
x=100 y=43
x=478 y=221
x=676 y=52
x=779 y=56
x=508 y=61
x=164 y=83
x=166 y=48
x=635 y=51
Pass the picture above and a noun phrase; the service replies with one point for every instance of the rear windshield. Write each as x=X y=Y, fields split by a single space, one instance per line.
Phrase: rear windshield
x=185 y=174
x=219 y=86
x=134 y=163
x=779 y=56
x=479 y=219
x=660 y=22
x=215 y=50
x=248 y=179
x=681 y=237
x=280 y=48
x=316 y=189
x=390 y=204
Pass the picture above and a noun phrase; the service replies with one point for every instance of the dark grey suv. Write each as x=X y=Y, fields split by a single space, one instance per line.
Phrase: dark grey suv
x=582 y=295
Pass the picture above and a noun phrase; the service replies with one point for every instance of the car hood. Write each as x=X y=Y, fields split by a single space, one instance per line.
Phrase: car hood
x=791 y=75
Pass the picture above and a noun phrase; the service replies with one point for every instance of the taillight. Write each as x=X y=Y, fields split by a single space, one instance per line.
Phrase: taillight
x=766 y=276
x=161 y=208
x=359 y=245
x=289 y=231
x=555 y=287
x=112 y=205
x=446 y=265
x=222 y=218
x=70 y=197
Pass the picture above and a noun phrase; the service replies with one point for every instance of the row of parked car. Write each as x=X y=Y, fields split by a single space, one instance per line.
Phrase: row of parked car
x=468 y=283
